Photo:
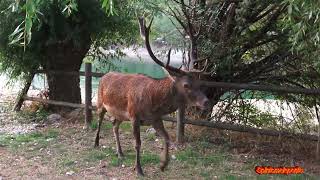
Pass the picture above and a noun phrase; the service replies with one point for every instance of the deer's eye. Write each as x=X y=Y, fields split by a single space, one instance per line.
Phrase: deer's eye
x=186 y=86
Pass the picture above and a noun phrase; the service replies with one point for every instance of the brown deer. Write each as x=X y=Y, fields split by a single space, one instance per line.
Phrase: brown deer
x=144 y=100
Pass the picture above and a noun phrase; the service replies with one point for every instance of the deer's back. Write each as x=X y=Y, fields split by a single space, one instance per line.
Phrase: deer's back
x=124 y=95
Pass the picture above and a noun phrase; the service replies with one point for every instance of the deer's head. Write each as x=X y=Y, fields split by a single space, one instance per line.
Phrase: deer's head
x=185 y=82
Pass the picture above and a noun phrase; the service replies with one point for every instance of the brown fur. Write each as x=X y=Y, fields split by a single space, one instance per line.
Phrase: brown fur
x=143 y=101
x=138 y=95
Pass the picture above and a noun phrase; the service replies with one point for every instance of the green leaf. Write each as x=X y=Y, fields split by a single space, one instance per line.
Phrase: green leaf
x=28 y=25
x=17 y=39
x=104 y=3
x=290 y=9
x=17 y=30
x=310 y=15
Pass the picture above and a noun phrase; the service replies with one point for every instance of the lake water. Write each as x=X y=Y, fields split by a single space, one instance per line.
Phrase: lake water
x=125 y=65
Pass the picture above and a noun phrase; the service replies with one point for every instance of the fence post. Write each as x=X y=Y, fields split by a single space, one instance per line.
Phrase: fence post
x=318 y=142
x=23 y=92
x=180 y=125
x=88 y=93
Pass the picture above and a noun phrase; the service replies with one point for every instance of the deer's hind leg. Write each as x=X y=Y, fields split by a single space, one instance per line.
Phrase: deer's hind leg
x=101 y=112
x=136 y=134
x=116 y=123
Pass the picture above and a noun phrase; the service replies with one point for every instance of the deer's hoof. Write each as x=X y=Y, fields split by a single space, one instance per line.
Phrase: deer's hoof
x=163 y=165
x=120 y=156
x=162 y=168
x=96 y=145
x=139 y=171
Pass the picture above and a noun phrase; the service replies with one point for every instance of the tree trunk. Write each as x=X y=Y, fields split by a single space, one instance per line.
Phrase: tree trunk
x=64 y=57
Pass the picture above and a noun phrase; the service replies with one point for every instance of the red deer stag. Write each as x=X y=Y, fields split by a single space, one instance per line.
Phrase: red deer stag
x=144 y=100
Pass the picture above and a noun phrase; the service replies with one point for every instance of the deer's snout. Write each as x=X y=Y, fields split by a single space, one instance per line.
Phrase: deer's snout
x=203 y=103
x=206 y=103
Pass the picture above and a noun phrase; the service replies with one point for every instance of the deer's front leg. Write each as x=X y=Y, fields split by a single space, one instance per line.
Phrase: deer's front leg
x=164 y=157
x=136 y=134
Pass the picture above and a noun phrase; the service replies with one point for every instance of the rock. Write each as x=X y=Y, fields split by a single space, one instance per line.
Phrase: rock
x=173 y=157
x=53 y=118
x=39 y=125
x=75 y=115
x=151 y=131
x=70 y=173
x=49 y=139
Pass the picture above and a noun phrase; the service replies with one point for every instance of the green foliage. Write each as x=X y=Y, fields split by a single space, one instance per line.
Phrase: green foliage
x=70 y=6
x=52 y=23
x=245 y=112
x=22 y=34
x=303 y=20
x=268 y=42
x=108 y=6
x=250 y=115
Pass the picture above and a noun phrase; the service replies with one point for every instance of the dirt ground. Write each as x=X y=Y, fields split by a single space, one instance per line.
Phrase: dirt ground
x=64 y=150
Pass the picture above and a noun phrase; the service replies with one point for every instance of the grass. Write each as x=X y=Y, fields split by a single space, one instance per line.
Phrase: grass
x=191 y=156
x=287 y=177
x=72 y=150
x=36 y=140
x=106 y=125
x=36 y=136
x=109 y=154
x=68 y=162
x=29 y=116
x=151 y=137
x=95 y=155
x=126 y=126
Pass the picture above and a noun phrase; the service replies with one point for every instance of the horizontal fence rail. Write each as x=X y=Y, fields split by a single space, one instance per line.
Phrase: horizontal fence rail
x=181 y=121
x=268 y=88
x=241 y=128
x=227 y=85
x=72 y=73
x=58 y=103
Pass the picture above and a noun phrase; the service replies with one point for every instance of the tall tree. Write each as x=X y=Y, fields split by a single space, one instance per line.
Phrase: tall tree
x=248 y=41
x=57 y=35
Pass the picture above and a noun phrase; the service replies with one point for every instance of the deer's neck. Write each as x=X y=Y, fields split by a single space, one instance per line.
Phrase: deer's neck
x=166 y=98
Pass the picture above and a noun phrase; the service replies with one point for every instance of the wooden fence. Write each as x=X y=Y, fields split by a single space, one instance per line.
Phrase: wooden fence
x=88 y=92
x=180 y=120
